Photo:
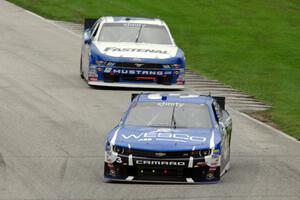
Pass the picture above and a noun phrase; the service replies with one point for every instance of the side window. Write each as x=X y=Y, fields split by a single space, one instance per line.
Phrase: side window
x=95 y=29
x=218 y=110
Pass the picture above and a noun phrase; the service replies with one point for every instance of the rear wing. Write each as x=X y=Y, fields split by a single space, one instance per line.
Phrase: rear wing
x=220 y=101
x=89 y=22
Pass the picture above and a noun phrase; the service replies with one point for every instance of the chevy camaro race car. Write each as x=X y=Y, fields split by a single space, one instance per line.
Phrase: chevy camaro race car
x=131 y=52
x=170 y=138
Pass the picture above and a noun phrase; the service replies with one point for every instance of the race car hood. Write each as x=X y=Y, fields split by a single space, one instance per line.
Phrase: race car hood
x=137 y=50
x=163 y=139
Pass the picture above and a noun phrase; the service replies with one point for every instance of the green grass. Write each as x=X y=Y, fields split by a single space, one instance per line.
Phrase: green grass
x=252 y=45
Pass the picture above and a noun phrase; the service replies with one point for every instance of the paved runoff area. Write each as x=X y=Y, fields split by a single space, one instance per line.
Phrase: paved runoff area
x=53 y=127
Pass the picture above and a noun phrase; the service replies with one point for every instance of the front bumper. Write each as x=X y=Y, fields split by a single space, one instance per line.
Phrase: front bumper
x=136 y=85
x=136 y=77
x=175 y=170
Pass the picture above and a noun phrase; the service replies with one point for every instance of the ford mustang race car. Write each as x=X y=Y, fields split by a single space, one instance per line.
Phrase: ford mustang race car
x=131 y=52
x=170 y=138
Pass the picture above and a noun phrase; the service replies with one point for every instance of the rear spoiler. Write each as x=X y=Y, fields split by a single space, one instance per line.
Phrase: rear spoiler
x=220 y=101
x=89 y=22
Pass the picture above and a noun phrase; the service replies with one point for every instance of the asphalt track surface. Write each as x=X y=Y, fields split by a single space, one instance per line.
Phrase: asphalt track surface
x=52 y=129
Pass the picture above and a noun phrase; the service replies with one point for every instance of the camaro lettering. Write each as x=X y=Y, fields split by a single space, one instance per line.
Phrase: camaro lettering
x=157 y=162
x=115 y=49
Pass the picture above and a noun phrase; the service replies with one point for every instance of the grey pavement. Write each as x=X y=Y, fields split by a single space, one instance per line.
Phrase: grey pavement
x=53 y=126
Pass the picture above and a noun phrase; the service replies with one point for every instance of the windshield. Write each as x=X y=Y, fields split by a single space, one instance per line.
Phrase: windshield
x=128 y=32
x=169 y=115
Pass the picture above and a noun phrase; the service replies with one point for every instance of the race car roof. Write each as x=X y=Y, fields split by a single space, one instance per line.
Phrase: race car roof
x=139 y=20
x=180 y=98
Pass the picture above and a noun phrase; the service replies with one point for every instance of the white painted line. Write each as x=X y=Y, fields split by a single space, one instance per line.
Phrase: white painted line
x=50 y=22
x=257 y=121
x=265 y=125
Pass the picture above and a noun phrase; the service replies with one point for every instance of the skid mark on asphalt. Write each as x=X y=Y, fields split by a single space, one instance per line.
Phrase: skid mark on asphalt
x=2 y=162
x=63 y=169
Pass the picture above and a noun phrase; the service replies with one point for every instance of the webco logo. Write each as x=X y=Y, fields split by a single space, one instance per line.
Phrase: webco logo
x=164 y=135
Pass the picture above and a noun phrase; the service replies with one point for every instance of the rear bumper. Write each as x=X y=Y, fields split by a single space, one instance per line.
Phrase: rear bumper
x=136 y=85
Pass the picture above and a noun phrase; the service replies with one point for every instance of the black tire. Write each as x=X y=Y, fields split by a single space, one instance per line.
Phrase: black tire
x=81 y=72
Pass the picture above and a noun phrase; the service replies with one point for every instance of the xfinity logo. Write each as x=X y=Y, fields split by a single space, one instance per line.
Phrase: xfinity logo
x=157 y=162
x=170 y=104
x=115 y=49
x=137 y=72
x=164 y=135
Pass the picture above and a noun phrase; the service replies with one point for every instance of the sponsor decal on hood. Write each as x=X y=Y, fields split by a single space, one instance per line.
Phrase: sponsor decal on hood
x=164 y=135
x=137 y=50
x=164 y=139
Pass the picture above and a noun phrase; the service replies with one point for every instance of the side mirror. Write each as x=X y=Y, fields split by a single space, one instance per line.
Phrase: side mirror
x=221 y=124
x=87 y=36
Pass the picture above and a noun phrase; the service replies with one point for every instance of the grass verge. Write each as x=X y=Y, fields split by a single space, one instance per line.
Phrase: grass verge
x=252 y=45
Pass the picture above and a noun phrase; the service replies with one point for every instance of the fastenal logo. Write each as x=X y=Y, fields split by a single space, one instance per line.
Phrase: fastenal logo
x=115 y=49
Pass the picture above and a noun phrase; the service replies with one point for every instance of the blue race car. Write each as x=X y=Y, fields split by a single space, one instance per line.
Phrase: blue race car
x=170 y=138
x=131 y=52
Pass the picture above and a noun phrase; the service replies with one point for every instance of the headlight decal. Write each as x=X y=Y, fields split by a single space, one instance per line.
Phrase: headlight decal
x=118 y=149
x=130 y=160
x=205 y=152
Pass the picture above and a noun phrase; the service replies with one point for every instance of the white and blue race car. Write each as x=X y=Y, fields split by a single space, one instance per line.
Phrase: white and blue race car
x=131 y=52
x=170 y=138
